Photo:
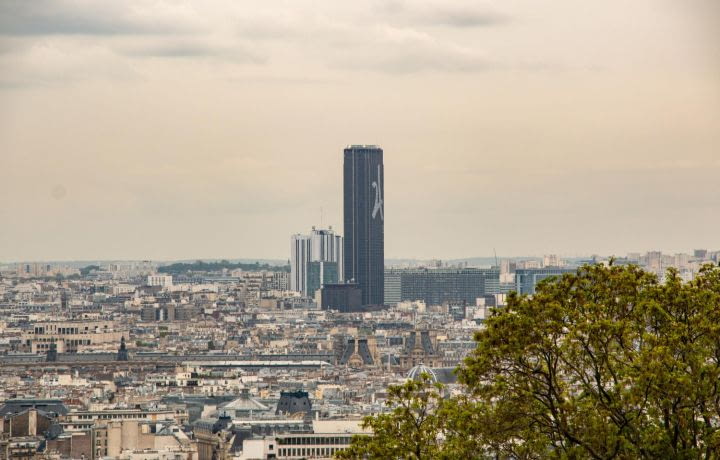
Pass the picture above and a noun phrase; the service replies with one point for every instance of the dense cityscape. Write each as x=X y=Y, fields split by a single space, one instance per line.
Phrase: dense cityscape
x=244 y=360
x=375 y=230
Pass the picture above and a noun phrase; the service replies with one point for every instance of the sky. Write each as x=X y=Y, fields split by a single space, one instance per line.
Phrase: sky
x=150 y=129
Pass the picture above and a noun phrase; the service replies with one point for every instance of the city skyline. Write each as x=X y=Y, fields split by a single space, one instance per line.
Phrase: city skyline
x=191 y=131
x=194 y=256
x=389 y=262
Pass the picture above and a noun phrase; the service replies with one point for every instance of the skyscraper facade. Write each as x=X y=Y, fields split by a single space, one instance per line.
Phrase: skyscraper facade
x=364 y=215
x=319 y=246
x=319 y=274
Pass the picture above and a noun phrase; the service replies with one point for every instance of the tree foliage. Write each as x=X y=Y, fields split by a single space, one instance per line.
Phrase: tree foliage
x=605 y=363
x=85 y=271
x=409 y=430
x=201 y=266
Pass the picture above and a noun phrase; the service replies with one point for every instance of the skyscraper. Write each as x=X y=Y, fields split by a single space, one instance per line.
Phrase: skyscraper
x=364 y=220
x=315 y=259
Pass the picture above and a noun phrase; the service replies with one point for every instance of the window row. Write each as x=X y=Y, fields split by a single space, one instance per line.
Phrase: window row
x=309 y=452
x=314 y=440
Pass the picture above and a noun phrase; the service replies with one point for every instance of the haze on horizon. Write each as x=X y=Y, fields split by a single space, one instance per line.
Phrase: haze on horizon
x=186 y=129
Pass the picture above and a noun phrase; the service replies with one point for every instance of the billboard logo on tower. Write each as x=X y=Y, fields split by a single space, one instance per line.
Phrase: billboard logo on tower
x=378 y=197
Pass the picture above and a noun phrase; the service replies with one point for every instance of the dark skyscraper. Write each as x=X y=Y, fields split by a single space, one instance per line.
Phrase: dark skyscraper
x=364 y=221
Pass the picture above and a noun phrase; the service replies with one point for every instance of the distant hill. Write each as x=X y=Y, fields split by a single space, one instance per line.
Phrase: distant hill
x=202 y=266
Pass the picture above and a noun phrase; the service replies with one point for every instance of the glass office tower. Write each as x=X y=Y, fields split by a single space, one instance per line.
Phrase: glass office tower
x=364 y=212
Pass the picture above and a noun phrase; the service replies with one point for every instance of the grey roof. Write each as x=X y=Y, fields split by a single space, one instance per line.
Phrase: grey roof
x=445 y=374
x=393 y=360
x=437 y=375
x=14 y=406
x=424 y=342
x=244 y=403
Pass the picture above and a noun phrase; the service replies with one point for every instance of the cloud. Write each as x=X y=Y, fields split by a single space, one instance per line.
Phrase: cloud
x=83 y=17
x=279 y=25
x=51 y=42
x=441 y=13
x=401 y=40
x=51 y=63
x=404 y=50
x=198 y=48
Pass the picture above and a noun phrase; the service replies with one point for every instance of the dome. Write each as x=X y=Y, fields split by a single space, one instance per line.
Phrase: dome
x=420 y=369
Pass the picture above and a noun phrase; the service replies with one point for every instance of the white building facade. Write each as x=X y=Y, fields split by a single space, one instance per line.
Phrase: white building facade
x=321 y=245
x=160 y=280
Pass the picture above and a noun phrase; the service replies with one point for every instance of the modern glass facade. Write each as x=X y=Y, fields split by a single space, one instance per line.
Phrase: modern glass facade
x=526 y=279
x=319 y=273
x=344 y=297
x=393 y=286
x=436 y=286
x=364 y=216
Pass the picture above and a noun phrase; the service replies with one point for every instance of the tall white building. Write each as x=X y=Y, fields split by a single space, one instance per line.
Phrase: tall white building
x=321 y=245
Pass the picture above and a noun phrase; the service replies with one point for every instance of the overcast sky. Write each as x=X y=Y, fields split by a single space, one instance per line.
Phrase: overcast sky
x=215 y=128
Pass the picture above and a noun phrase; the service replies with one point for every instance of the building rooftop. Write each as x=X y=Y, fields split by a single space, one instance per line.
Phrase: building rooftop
x=417 y=371
x=244 y=403
x=363 y=146
x=13 y=406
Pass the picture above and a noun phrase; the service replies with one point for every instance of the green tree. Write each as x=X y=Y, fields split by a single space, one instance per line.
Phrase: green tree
x=601 y=364
x=410 y=430
x=606 y=363
x=201 y=266
x=85 y=271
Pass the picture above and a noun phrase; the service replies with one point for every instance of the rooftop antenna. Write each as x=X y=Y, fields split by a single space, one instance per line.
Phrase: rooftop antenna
x=321 y=217
x=496 y=261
